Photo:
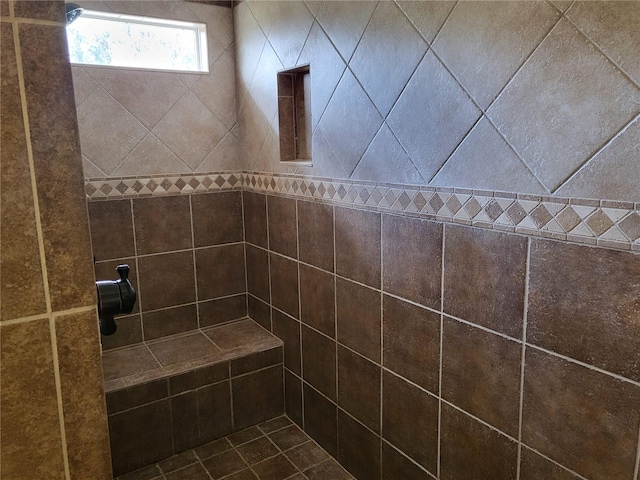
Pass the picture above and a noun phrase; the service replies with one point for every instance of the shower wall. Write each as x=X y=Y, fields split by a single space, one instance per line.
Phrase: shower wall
x=141 y=122
x=52 y=407
x=186 y=255
x=440 y=319
x=529 y=97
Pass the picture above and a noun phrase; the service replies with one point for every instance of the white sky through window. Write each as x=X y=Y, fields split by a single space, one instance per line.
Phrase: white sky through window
x=98 y=38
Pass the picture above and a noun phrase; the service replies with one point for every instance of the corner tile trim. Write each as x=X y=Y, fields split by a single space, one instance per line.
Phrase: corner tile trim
x=609 y=224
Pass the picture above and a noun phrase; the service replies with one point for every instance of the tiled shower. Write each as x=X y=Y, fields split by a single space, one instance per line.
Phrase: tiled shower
x=450 y=291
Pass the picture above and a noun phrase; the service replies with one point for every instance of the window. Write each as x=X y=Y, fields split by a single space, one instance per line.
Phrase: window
x=99 y=38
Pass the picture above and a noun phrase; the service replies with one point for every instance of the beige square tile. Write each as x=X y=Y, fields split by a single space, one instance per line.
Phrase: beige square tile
x=345 y=22
x=485 y=161
x=350 y=110
x=387 y=55
x=83 y=84
x=428 y=17
x=145 y=94
x=264 y=86
x=615 y=27
x=107 y=143
x=612 y=173
x=326 y=69
x=597 y=101
x=291 y=24
x=217 y=90
x=150 y=156
x=249 y=40
x=429 y=127
x=190 y=130
x=386 y=161
x=483 y=43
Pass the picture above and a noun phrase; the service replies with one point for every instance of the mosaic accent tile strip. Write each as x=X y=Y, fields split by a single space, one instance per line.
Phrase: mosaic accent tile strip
x=155 y=185
x=610 y=224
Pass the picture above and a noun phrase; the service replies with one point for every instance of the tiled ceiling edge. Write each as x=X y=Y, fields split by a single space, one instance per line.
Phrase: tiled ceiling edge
x=605 y=223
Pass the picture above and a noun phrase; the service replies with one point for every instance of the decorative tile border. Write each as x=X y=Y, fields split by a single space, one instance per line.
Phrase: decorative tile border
x=605 y=223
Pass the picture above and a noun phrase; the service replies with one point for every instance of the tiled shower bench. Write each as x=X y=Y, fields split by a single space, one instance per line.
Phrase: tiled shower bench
x=170 y=395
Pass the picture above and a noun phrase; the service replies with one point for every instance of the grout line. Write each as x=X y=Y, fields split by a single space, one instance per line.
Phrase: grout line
x=381 y=413
x=637 y=469
x=41 y=247
x=409 y=459
x=441 y=362
x=135 y=259
x=549 y=459
x=244 y=250
x=193 y=257
x=597 y=151
x=523 y=357
x=43 y=316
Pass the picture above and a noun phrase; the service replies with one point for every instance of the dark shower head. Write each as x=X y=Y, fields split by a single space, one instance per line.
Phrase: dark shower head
x=73 y=12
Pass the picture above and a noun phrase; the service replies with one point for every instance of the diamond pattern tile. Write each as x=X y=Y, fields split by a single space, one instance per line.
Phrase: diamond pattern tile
x=428 y=17
x=387 y=55
x=630 y=226
x=350 y=110
x=97 y=134
x=599 y=222
x=597 y=101
x=498 y=37
x=429 y=127
x=148 y=96
x=345 y=22
x=291 y=24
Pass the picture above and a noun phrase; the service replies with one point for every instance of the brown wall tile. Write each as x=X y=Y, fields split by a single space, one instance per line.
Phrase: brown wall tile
x=169 y=321
x=481 y=374
x=583 y=302
x=257 y=361
x=140 y=436
x=83 y=400
x=359 y=318
x=534 y=467
x=410 y=420
x=412 y=259
x=293 y=397
x=358 y=449
x=162 y=224
x=282 y=225
x=166 y=280
x=581 y=418
x=359 y=388
x=473 y=451
x=220 y=271
x=320 y=420
x=396 y=465
x=411 y=342
x=58 y=166
x=41 y=10
x=31 y=431
x=259 y=312
x=319 y=362
x=199 y=377
x=217 y=218
x=258 y=273
x=315 y=234
x=288 y=330
x=484 y=277
x=129 y=332
x=213 y=312
x=255 y=218
x=20 y=256
x=258 y=397
x=136 y=396
x=358 y=245
x=284 y=284
x=317 y=300
x=111 y=229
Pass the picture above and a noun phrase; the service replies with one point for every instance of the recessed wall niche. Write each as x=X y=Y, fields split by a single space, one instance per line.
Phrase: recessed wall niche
x=294 y=114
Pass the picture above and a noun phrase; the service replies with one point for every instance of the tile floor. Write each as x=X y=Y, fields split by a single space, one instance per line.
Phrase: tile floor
x=274 y=450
